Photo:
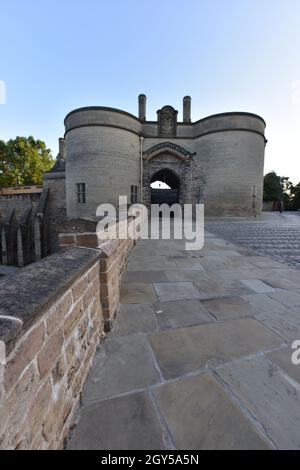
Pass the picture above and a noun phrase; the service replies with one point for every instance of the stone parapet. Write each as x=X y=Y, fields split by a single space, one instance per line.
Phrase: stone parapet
x=51 y=322
x=114 y=255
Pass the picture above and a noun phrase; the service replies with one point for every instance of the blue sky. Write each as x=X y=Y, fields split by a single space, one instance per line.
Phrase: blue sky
x=229 y=55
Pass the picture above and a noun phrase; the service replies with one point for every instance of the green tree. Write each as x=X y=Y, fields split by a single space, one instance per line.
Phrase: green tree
x=272 y=187
x=295 y=197
x=23 y=160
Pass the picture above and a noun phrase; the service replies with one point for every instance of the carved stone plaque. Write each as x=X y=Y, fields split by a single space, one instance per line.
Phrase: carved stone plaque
x=167 y=121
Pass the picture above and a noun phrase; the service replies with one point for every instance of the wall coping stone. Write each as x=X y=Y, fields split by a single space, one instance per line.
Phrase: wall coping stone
x=24 y=296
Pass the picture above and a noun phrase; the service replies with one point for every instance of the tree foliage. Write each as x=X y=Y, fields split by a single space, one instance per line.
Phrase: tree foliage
x=272 y=187
x=23 y=160
x=295 y=197
x=290 y=193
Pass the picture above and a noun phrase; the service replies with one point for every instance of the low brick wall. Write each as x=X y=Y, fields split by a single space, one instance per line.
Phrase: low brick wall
x=113 y=260
x=53 y=315
x=51 y=322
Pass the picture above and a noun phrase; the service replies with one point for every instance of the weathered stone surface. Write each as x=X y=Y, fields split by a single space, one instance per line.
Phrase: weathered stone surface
x=181 y=313
x=137 y=293
x=51 y=277
x=200 y=415
x=287 y=298
x=125 y=363
x=24 y=354
x=285 y=323
x=264 y=303
x=49 y=352
x=210 y=289
x=175 y=291
x=9 y=329
x=186 y=262
x=145 y=277
x=188 y=349
x=236 y=288
x=135 y=318
x=259 y=287
x=151 y=263
x=125 y=423
x=229 y=307
x=184 y=275
x=235 y=274
x=269 y=396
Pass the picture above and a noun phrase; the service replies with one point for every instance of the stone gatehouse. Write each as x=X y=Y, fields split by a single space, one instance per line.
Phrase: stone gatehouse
x=217 y=160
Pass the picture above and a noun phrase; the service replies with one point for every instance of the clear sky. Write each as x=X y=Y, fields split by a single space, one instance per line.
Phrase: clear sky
x=229 y=55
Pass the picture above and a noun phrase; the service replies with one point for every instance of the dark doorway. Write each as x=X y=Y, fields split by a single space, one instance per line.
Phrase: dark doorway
x=165 y=187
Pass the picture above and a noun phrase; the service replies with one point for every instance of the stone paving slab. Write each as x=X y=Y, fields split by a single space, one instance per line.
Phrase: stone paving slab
x=151 y=263
x=124 y=363
x=285 y=323
x=264 y=303
x=186 y=350
x=135 y=318
x=137 y=293
x=145 y=277
x=258 y=286
x=235 y=288
x=181 y=313
x=230 y=307
x=269 y=396
x=123 y=423
x=200 y=416
x=186 y=262
x=210 y=289
x=239 y=273
x=289 y=299
x=184 y=275
x=170 y=291
x=277 y=280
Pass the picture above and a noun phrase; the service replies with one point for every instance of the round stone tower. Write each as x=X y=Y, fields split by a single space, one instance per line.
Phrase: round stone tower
x=102 y=152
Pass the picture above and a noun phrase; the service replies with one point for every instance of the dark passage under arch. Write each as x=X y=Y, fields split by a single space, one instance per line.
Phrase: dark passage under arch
x=161 y=195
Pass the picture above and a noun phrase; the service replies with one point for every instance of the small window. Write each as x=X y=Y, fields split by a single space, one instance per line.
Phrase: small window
x=134 y=194
x=81 y=193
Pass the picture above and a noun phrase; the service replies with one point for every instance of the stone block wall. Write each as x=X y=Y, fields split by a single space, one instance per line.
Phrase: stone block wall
x=49 y=333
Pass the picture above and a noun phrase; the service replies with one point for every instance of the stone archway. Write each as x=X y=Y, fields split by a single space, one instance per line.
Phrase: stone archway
x=174 y=165
x=164 y=195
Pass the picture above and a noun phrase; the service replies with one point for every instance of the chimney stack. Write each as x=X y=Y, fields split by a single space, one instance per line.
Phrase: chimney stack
x=142 y=107
x=187 y=109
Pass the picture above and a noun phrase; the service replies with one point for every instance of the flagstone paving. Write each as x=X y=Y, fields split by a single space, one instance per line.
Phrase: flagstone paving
x=200 y=357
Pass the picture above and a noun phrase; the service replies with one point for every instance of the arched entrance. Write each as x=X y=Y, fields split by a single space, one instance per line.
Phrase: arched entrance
x=165 y=187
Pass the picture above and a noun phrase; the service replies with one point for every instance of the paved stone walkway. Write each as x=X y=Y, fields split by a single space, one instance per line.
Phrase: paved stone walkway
x=201 y=354
x=273 y=235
